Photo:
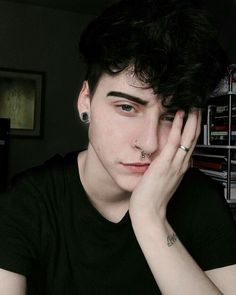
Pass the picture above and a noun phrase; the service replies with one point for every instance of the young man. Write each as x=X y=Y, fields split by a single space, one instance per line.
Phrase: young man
x=127 y=215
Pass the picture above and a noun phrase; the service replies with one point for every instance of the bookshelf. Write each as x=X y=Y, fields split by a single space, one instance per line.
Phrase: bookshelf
x=215 y=153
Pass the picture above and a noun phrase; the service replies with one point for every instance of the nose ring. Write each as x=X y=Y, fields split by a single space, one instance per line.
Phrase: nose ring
x=144 y=154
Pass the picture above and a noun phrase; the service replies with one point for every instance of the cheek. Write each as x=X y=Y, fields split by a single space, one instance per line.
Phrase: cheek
x=107 y=125
x=106 y=136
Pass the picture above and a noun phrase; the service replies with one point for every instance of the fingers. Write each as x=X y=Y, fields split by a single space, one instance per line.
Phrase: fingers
x=174 y=139
x=191 y=129
x=188 y=139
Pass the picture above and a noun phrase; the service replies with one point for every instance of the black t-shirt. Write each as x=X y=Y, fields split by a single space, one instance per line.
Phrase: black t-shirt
x=50 y=232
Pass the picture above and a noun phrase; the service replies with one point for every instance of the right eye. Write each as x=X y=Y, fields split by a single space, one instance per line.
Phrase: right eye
x=126 y=108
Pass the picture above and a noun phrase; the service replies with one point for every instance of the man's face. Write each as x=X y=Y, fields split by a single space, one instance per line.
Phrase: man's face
x=125 y=118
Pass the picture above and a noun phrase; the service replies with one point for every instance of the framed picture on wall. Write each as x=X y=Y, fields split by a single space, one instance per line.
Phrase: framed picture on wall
x=21 y=101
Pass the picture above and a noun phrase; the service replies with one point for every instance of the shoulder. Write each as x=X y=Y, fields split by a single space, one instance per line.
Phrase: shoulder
x=199 y=187
x=197 y=179
x=43 y=184
x=201 y=199
x=197 y=199
x=201 y=216
x=196 y=187
x=50 y=172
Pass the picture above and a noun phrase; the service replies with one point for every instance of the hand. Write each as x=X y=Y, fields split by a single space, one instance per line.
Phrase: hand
x=160 y=181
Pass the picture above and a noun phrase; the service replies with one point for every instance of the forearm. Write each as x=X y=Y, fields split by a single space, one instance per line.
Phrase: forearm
x=173 y=268
x=12 y=283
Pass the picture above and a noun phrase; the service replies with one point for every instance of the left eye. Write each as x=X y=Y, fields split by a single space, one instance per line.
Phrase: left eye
x=168 y=118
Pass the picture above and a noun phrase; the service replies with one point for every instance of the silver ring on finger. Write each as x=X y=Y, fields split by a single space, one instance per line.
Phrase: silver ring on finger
x=184 y=148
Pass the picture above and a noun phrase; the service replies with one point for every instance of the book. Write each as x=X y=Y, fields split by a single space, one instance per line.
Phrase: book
x=232 y=190
x=208 y=165
x=213 y=162
x=208 y=161
x=219 y=175
x=232 y=193
x=217 y=122
x=223 y=128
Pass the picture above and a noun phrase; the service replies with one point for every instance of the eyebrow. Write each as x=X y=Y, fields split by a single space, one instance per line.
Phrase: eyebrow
x=128 y=96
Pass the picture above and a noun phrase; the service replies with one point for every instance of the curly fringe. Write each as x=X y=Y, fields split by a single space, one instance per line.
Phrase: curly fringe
x=170 y=44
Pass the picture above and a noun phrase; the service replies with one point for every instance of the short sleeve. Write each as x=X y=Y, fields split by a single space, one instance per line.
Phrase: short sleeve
x=20 y=228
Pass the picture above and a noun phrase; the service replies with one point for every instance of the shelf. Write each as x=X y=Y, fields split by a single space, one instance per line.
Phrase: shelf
x=212 y=146
x=220 y=112
x=222 y=94
x=232 y=202
x=222 y=97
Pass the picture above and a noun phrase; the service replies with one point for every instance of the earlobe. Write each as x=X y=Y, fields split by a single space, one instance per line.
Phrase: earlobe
x=83 y=103
x=85 y=117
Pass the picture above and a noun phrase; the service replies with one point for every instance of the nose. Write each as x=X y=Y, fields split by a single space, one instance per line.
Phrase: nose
x=147 y=139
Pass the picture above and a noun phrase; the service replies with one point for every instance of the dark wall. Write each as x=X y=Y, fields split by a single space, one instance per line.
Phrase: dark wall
x=41 y=39
x=225 y=17
x=44 y=39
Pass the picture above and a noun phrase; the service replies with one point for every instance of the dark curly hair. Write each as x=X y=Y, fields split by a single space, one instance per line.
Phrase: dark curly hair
x=171 y=45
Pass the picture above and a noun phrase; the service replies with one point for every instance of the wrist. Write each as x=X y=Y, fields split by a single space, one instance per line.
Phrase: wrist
x=154 y=230
x=148 y=216
x=149 y=220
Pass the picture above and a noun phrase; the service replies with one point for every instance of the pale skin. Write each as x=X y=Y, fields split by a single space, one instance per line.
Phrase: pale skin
x=119 y=128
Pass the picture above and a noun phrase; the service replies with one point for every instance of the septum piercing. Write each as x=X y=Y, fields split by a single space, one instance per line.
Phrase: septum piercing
x=144 y=154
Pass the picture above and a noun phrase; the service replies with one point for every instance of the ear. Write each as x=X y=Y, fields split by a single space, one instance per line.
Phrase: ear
x=84 y=99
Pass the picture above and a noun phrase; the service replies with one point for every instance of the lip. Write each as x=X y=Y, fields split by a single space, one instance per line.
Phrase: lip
x=136 y=167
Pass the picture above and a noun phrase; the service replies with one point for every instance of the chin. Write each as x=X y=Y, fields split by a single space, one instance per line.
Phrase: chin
x=127 y=183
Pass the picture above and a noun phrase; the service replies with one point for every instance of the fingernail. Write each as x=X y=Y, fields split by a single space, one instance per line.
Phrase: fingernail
x=181 y=114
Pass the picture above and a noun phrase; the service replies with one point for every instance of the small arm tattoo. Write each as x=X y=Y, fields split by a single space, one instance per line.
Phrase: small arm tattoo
x=171 y=239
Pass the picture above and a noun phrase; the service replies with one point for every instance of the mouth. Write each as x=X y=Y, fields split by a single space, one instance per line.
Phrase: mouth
x=136 y=167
